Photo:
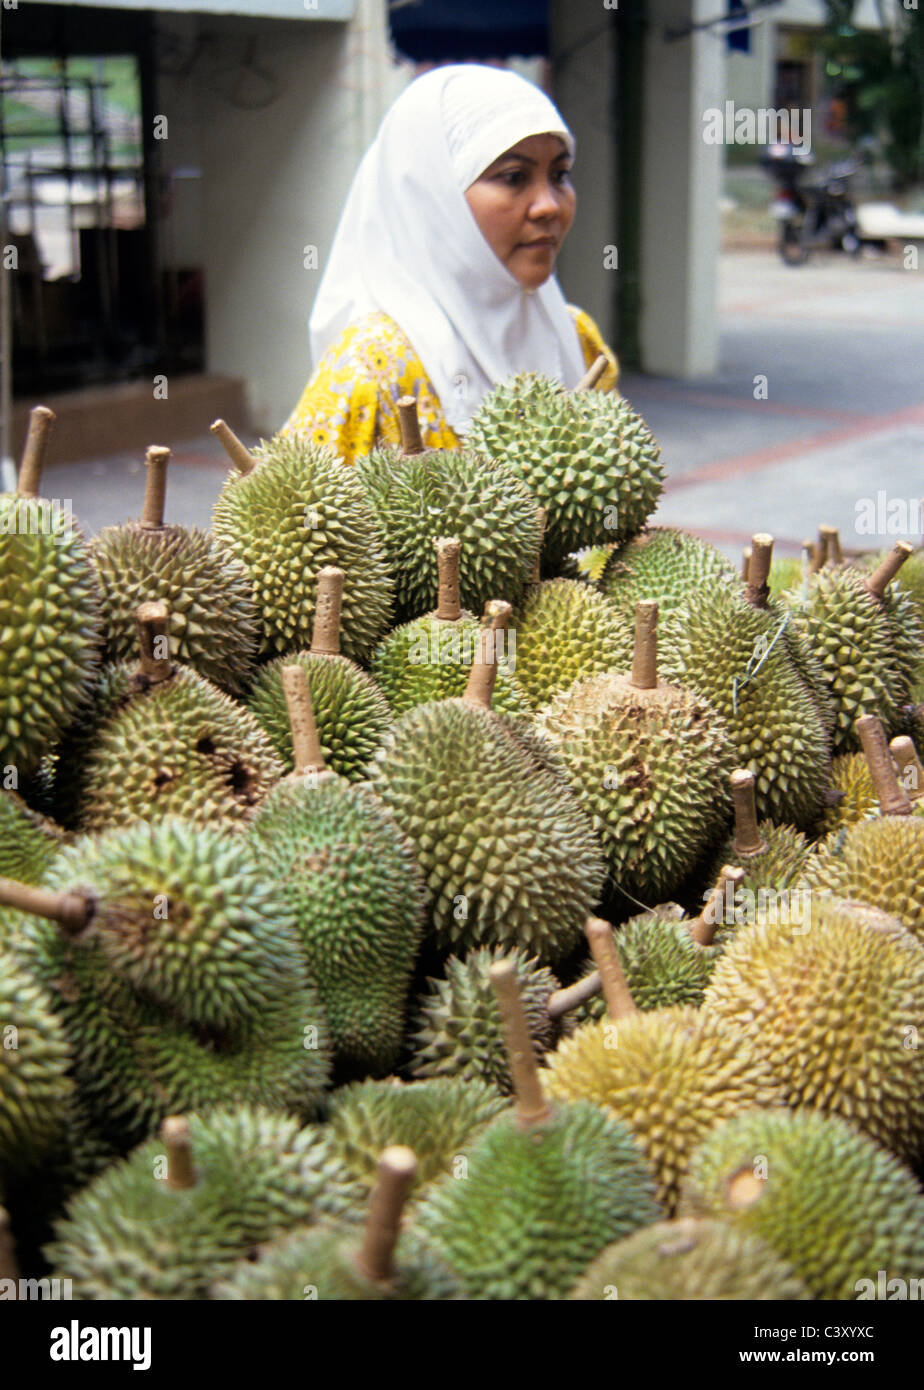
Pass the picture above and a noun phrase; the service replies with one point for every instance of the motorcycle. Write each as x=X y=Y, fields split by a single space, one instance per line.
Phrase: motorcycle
x=811 y=215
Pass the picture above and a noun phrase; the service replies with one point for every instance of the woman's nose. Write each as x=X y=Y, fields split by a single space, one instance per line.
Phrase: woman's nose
x=545 y=202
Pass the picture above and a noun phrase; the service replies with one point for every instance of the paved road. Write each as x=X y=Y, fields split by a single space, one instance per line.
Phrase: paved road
x=841 y=344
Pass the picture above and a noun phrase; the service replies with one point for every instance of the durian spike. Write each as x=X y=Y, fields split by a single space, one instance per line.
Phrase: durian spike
x=155 y=487
x=821 y=548
x=645 y=653
x=306 y=745
x=536 y=576
x=562 y=1001
x=153 y=618
x=240 y=456
x=41 y=420
x=757 y=591
x=832 y=538
x=910 y=771
x=893 y=799
x=532 y=1106
x=448 y=554
x=593 y=374
x=72 y=911
x=397 y=1169
x=180 y=1170
x=748 y=839
x=745 y=562
x=616 y=992
x=481 y=677
x=9 y=1265
x=325 y=630
x=702 y=928
x=884 y=573
x=411 y=439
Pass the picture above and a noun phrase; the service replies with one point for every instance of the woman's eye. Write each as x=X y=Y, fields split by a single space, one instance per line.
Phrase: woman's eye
x=514 y=178
x=561 y=177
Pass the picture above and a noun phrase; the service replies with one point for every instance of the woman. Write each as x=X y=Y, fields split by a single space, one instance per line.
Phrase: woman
x=440 y=282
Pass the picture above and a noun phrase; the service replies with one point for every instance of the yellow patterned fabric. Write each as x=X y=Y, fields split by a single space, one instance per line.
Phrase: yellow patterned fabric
x=350 y=403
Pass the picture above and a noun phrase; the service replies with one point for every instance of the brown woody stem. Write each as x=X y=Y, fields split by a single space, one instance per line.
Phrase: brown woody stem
x=306 y=745
x=448 y=555
x=885 y=572
x=9 y=1265
x=593 y=374
x=746 y=562
x=153 y=618
x=905 y=756
x=645 y=654
x=155 y=487
x=831 y=539
x=325 y=631
x=757 y=590
x=181 y=1172
x=562 y=1001
x=397 y=1169
x=748 y=839
x=41 y=420
x=411 y=438
x=532 y=1106
x=241 y=457
x=72 y=911
x=813 y=552
x=702 y=928
x=893 y=799
x=616 y=992
x=483 y=674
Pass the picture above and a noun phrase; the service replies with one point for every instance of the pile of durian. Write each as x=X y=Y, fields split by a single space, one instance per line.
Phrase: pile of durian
x=436 y=882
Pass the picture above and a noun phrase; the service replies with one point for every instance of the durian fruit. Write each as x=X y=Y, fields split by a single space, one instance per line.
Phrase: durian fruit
x=286 y=514
x=649 y=763
x=49 y=614
x=879 y=862
x=419 y=495
x=383 y=1262
x=430 y=657
x=732 y=650
x=184 y=1207
x=350 y=710
x=543 y=1189
x=832 y=998
x=585 y=455
x=669 y=1075
x=772 y=856
x=438 y=1118
x=665 y=564
x=565 y=632
x=214 y=625
x=507 y=853
x=855 y=798
x=351 y=881
x=831 y=1203
x=689 y=1260
x=35 y=1088
x=174 y=964
x=164 y=741
x=28 y=842
x=459 y=1031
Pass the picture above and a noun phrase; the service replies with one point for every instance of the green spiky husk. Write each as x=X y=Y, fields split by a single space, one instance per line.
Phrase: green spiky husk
x=850 y=774
x=35 y=1088
x=430 y=659
x=28 y=842
x=776 y=867
x=567 y=632
x=665 y=564
x=662 y=964
x=880 y=862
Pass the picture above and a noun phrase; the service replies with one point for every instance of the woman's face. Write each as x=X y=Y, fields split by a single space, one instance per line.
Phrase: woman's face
x=524 y=205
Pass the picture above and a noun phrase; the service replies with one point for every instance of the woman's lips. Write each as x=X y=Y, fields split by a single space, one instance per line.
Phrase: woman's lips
x=547 y=241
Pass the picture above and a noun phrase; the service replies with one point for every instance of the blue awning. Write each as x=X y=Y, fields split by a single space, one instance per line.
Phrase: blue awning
x=447 y=30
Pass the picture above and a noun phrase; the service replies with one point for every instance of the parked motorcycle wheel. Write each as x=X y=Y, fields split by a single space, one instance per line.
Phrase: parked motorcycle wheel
x=792 y=246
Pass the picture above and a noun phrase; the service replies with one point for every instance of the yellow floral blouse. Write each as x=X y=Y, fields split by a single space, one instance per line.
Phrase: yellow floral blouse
x=350 y=403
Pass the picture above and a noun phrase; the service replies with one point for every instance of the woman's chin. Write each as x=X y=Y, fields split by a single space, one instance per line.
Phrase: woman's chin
x=532 y=277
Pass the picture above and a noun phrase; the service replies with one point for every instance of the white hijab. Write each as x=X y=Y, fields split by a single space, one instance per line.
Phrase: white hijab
x=408 y=245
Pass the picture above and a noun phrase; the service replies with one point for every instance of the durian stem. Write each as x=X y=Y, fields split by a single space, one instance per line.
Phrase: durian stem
x=821 y=548
x=893 y=799
x=906 y=756
x=748 y=839
x=72 y=911
x=645 y=653
x=155 y=487
x=536 y=576
x=884 y=573
x=562 y=1001
x=757 y=590
x=832 y=542
x=397 y=1169
x=9 y=1265
x=241 y=457
x=593 y=374
x=812 y=551
x=483 y=674
x=411 y=439
x=181 y=1172
x=153 y=618
x=745 y=562
x=41 y=420
x=306 y=745
x=448 y=555
x=532 y=1106
x=616 y=992
x=325 y=631
x=702 y=928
